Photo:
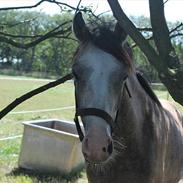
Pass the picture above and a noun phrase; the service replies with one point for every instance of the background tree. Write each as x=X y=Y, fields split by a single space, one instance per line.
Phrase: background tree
x=47 y=56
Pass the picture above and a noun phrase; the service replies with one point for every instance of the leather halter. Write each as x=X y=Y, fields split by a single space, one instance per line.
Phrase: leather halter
x=96 y=112
x=91 y=112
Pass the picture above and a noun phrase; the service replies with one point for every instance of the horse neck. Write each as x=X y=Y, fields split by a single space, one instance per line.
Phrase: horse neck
x=133 y=111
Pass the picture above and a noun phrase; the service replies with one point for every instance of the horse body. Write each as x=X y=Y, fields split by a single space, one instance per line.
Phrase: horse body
x=155 y=156
x=147 y=144
x=169 y=139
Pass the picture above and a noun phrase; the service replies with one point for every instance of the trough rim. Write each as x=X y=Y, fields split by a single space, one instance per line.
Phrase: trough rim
x=30 y=124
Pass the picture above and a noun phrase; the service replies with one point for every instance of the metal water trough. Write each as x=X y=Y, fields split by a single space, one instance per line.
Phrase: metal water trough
x=51 y=146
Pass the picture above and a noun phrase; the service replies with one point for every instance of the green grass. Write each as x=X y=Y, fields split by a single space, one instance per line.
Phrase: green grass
x=60 y=96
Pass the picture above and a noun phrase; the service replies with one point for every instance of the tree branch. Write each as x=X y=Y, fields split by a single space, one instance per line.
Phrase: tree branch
x=32 y=93
x=13 y=24
x=37 y=4
x=77 y=8
x=146 y=29
x=177 y=27
x=20 y=36
x=48 y=35
x=100 y=14
x=176 y=35
x=171 y=36
x=160 y=28
x=165 y=2
x=23 y=7
x=148 y=39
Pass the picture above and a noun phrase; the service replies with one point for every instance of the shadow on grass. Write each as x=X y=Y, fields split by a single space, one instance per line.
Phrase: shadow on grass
x=42 y=177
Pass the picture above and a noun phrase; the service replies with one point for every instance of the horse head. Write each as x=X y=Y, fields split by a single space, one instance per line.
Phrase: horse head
x=101 y=66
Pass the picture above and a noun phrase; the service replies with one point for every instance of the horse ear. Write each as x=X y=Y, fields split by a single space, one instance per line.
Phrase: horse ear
x=121 y=34
x=79 y=28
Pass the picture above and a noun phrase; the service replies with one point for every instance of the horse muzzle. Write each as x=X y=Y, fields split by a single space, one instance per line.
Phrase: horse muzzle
x=96 y=147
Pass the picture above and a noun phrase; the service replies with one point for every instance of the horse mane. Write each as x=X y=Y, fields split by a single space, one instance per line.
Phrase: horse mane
x=143 y=82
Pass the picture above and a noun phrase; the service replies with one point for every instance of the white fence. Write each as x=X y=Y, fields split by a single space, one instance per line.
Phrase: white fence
x=43 y=110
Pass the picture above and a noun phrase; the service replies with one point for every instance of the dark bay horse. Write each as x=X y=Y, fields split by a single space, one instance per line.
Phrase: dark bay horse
x=130 y=136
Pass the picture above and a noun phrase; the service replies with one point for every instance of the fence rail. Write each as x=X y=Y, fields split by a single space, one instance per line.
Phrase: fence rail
x=43 y=110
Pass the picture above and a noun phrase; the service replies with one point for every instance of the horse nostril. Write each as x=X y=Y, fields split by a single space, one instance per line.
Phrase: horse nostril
x=110 y=148
x=104 y=149
x=85 y=155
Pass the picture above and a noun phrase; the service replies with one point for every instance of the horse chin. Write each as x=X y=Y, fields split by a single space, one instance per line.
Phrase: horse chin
x=99 y=168
x=103 y=167
x=97 y=163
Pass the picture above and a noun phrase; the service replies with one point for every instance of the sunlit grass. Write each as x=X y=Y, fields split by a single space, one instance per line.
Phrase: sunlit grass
x=57 y=97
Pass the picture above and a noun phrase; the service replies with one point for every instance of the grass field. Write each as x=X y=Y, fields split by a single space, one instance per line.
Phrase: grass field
x=60 y=96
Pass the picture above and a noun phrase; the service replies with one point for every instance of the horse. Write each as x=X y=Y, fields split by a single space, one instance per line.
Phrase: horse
x=129 y=135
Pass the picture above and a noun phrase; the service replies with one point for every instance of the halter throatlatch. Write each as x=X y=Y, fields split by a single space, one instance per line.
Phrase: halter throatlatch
x=91 y=112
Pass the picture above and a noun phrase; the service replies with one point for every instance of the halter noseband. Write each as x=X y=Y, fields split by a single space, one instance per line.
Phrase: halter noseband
x=91 y=112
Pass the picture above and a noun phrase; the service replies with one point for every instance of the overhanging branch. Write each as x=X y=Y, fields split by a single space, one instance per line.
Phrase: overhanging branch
x=23 y=7
x=32 y=93
x=176 y=28
x=54 y=32
x=146 y=29
x=176 y=35
x=20 y=36
x=172 y=33
x=160 y=28
x=13 y=24
x=37 y=4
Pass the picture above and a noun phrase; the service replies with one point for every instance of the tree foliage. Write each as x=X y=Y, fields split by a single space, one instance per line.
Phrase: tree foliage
x=53 y=56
